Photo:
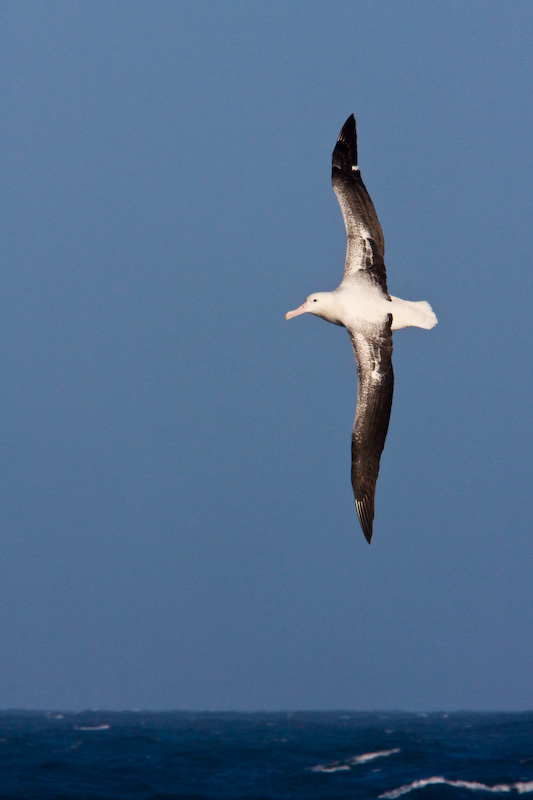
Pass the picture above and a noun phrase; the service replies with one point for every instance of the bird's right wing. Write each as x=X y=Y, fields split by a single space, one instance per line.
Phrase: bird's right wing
x=365 y=247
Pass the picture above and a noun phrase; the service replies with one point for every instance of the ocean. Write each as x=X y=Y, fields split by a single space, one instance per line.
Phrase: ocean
x=94 y=755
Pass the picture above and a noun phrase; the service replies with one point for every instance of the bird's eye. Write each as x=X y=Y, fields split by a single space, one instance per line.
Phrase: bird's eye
x=314 y=301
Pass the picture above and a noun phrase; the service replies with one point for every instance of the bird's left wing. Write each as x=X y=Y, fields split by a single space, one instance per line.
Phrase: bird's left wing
x=365 y=252
x=372 y=344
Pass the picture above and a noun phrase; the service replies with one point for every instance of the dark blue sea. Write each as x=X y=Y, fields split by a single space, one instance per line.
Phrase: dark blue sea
x=282 y=756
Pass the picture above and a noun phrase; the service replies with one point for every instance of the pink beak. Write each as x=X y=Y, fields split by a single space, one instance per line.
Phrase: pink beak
x=297 y=311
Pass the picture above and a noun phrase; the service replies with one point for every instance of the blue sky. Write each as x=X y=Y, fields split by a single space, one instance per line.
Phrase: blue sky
x=178 y=527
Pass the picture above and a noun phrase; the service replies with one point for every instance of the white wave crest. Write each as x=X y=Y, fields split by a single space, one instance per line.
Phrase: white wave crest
x=92 y=727
x=500 y=788
x=362 y=759
x=338 y=766
x=330 y=768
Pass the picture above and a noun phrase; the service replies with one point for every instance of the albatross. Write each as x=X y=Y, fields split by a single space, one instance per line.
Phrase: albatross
x=363 y=305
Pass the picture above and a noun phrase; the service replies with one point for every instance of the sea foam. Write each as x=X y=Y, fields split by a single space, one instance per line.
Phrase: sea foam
x=340 y=766
x=500 y=788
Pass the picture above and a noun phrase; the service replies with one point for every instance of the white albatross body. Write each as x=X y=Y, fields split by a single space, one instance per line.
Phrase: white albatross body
x=348 y=305
x=362 y=304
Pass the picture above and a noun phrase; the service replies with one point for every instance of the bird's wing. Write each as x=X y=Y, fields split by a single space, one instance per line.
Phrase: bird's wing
x=366 y=248
x=372 y=346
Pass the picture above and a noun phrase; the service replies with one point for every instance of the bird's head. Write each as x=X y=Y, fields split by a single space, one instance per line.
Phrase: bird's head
x=320 y=304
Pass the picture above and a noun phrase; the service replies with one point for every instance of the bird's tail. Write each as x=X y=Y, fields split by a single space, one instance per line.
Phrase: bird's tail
x=416 y=313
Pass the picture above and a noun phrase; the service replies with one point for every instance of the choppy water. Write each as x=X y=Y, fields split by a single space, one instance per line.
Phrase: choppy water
x=209 y=756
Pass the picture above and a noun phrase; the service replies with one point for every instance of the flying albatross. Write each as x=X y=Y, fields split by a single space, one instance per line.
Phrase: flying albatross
x=362 y=304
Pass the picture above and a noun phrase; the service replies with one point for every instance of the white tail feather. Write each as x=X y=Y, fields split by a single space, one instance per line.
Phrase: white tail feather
x=406 y=313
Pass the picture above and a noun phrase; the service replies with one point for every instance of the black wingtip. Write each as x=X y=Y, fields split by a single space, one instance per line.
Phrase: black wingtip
x=345 y=152
x=365 y=512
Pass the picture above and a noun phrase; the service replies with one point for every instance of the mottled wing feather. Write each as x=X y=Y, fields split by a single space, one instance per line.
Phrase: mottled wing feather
x=365 y=248
x=372 y=346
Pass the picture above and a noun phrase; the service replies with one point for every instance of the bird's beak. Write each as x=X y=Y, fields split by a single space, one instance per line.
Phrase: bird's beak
x=297 y=311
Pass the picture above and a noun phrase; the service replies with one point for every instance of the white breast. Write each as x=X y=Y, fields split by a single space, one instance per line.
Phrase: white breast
x=361 y=302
